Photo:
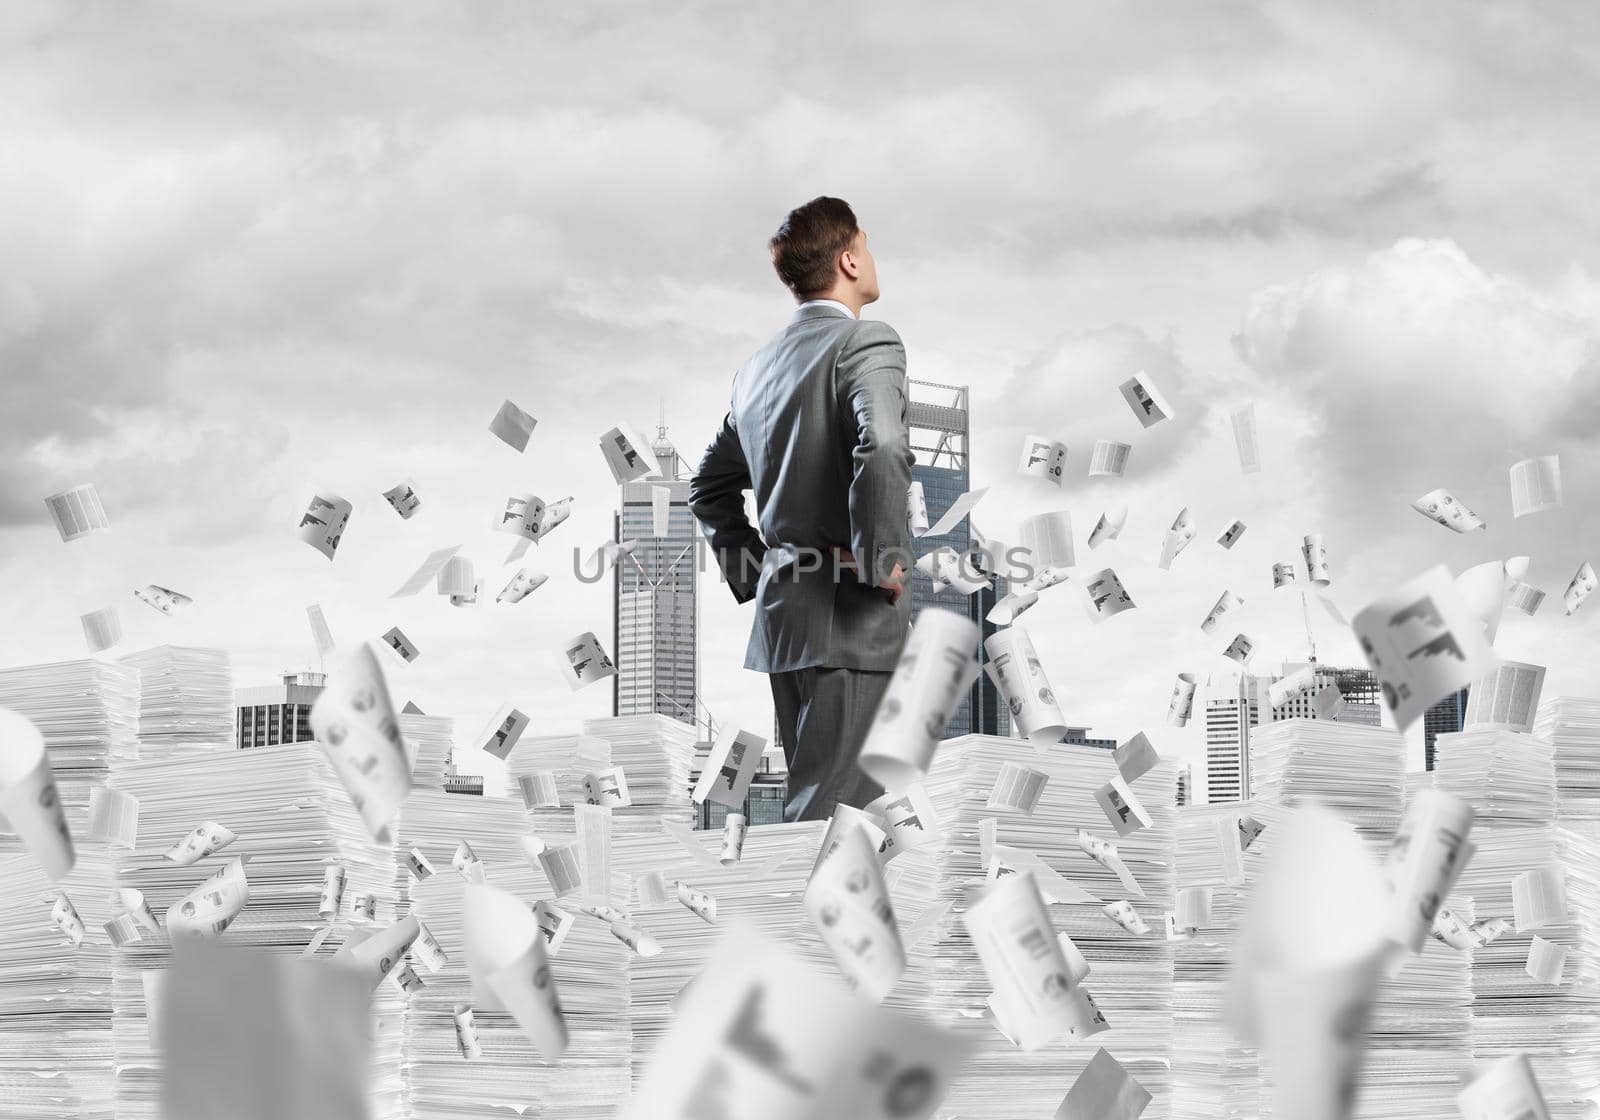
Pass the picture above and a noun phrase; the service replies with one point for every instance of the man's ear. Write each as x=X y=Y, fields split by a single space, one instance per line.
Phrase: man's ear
x=849 y=265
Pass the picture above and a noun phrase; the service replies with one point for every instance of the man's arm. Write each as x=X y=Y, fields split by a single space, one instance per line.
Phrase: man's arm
x=871 y=381
x=716 y=498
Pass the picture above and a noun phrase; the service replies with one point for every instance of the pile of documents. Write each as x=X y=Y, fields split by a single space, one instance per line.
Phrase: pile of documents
x=284 y=813
x=1572 y=726
x=186 y=700
x=1536 y=984
x=656 y=754
x=1358 y=772
x=429 y=742
x=510 y=1076
x=1130 y=976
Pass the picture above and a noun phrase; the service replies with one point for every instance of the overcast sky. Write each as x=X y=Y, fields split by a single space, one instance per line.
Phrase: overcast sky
x=256 y=251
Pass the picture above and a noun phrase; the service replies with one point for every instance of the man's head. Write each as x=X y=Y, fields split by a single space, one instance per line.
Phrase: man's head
x=820 y=253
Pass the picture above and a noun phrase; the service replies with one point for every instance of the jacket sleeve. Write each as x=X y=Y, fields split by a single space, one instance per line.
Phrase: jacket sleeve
x=716 y=498
x=871 y=381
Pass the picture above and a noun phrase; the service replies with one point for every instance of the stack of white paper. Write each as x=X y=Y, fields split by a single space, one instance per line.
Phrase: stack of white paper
x=1356 y=771
x=1572 y=726
x=429 y=740
x=292 y=821
x=186 y=700
x=510 y=1076
x=1130 y=976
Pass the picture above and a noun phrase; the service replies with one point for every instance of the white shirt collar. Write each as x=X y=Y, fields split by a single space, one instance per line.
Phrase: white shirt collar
x=830 y=303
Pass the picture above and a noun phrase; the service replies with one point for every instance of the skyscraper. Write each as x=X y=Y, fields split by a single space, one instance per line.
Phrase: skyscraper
x=1444 y=718
x=656 y=638
x=1185 y=777
x=278 y=713
x=940 y=426
x=1230 y=714
x=1358 y=687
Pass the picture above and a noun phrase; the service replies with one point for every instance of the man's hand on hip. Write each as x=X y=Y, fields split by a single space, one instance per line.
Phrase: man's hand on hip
x=895 y=585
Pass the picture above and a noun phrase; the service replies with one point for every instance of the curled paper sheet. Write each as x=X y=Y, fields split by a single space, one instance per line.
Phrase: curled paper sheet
x=948 y=568
x=1429 y=851
x=521 y=585
x=729 y=768
x=1547 y=960
x=1314 y=551
x=426 y=949
x=608 y=787
x=1283 y=574
x=1328 y=702
x=1451 y=929
x=1582 y=586
x=1229 y=833
x=1504 y=1090
x=513 y=426
x=1424 y=643
x=561 y=867
x=1539 y=898
x=467 y=1033
x=29 y=803
x=700 y=904
x=850 y=907
x=319 y=630
x=1110 y=459
x=909 y=818
x=650 y=890
x=418 y=864
x=1084 y=1018
x=1226 y=602
x=524 y=516
x=846 y=819
x=641 y=942
x=1043 y=457
x=457 y=579
x=1506 y=699
x=1239 y=649
x=1017 y=672
x=916 y=508
x=1136 y=757
x=1123 y=913
x=1054 y=888
x=64 y=916
x=332 y=897
x=1244 y=438
x=1293 y=686
x=322 y=525
x=509 y=966
x=963 y=505
x=1181 y=706
x=1309 y=955
x=554 y=924
x=1482 y=589
x=1105 y=1090
x=504 y=731
x=77 y=512
x=466 y=862
x=212 y=906
x=1017 y=945
x=1535 y=485
x=426 y=573
x=660 y=511
x=1121 y=806
x=1017 y=789
x=1524 y=597
x=102 y=629
x=734 y=827
x=1178 y=537
x=1192 y=908
x=206 y=839
x=1447 y=510
x=583 y=661
x=628 y=457
x=363 y=908
x=162 y=599
x=1109 y=527
x=1047 y=537
x=379 y=955
x=1011 y=607
x=937 y=665
x=1146 y=401
x=403 y=499
x=1105 y=597
x=355 y=723
x=539 y=790
x=403 y=646
x=1230 y=536
x=1105 y=853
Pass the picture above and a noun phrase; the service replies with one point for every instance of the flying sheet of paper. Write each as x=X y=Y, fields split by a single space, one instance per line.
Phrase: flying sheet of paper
x=1445 y=508
x=319 y=629
x=377 y=957
x=404 y=648
x=162 y=599
x=1226 y=602
x=1105 y=853
x=909 y=817
x=1017 y=788
x=729 y=768
x=1016 y=943
x=1048 y=540
x=212 y=906
x=1181 y=706
x=1244 y=438
x=1482 y=588
x=523 y=584
x=850 y=907
x=539 y=790
x=1105 y=1090
x=916 y=508
x=1547 y=960
x=255 y=1035
x=762 y=1032
x=963 y=505
x=1504 y=1090
x=936 y=667
x=847 y=818
x=1230 y=536
x=1524 y=597
x=1136 y=757
x=1283 y=574
x=457 y=578
x=504 y=731
x=1177 y=538
x=583 y=661
x=1535 y=485
x=102 y=629
x=1506 y=699
x=113 y=816
x=29 y=803
x=427 y=573
x=1043 y=457
x=1011 y=607
x=628 y=457
x=507 y=960
x=1582 y=586
x=355 y=722
x=608 y=788
x=1239 y=649
x=402 y=498
x=205 y=839
x=513 y=426
x=1105 y=597
x=1122 y=807
x=734 y=828
x=322 y=525
x=1539 y=898
x=1423 y=643
x=332 y=897
x=1228 y=833
x=1017 y=672
x=1110 y=459
x=77 y=512
x=1429 y=851
x=1147 y=402
x=1109 y=527
x=1293 y=686
x=1314 y=551
x=947 y=568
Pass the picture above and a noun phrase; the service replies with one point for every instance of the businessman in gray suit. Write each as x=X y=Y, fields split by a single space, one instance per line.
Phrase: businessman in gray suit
x=817 y=428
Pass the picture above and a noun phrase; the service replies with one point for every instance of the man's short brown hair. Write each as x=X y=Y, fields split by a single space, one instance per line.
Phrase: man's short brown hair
x=809 y=242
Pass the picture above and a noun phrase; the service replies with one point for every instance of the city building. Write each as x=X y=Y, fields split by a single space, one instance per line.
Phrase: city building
x=471 y=784
x=1358 y=687
x=1079 y=736
x=278 y=713
x=1231 y=711
x=657 y=616
x=1444 y=718
x=940 y=428
x=1185 y=777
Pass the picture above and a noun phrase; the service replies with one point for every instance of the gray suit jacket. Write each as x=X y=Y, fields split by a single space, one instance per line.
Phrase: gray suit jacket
x=818 y=430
